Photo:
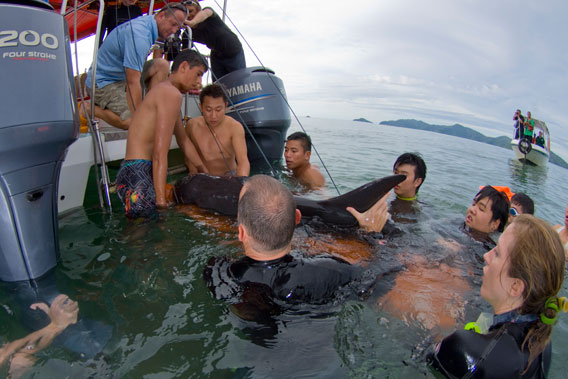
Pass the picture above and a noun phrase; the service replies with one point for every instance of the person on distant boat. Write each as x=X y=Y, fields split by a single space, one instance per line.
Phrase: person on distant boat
x=521 y=203
x=519 y=124
x=563 y=232
x=115 y=15
x=219 y=139
x=521 y=280
x=227 y=53
x=529 y=127
x=297 y=153
x=141 y=180
x=540 y=139
x=62 y=312
x=121 y=59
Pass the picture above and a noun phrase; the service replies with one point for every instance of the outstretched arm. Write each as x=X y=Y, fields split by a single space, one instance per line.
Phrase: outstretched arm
x=62 y=313
x=375 y=218
x=167 y=111
x=133 y=89
x=201 y=16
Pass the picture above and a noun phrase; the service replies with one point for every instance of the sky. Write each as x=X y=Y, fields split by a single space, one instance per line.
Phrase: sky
x=472 y=62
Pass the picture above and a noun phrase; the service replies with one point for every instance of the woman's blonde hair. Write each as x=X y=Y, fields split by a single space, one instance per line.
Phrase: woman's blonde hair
x=537 y=258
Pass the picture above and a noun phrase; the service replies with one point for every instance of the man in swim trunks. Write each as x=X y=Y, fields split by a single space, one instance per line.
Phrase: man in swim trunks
x=297 y=154
x=219 y=140
x=267 y=217
x=141 y=181
x=120 y=61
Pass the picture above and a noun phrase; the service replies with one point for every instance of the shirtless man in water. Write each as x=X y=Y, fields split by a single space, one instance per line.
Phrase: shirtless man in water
x=297 y=154
x=219 y=140
x=141 y=181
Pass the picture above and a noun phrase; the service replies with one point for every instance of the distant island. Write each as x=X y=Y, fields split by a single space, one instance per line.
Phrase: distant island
x=461 y=131
x=362 y=120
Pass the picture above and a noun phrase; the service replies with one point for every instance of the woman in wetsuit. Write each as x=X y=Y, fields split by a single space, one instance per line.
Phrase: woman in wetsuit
x=521 y=280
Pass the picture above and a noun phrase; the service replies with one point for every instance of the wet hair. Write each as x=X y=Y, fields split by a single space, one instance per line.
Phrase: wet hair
x=304 y=139
x=499 y=206
x=537 y=258
x=192 y=57
x=524 y=201
x=413 y=159
x=213 y=90
x=268 y=212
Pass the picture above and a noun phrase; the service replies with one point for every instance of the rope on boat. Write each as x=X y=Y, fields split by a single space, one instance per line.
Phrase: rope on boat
x=283 y=97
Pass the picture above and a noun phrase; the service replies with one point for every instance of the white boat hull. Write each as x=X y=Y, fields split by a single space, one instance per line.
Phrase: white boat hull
x=537 y=155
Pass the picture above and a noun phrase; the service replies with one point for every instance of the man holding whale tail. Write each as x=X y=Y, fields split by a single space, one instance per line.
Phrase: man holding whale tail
x=141 y=180
x=62 y=312
x=267 y=217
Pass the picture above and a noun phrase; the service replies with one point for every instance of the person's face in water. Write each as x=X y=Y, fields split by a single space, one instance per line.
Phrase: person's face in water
x=478 y=216
x=407 y=188
x=213 y=110
x=497 y=285
x=295 y=155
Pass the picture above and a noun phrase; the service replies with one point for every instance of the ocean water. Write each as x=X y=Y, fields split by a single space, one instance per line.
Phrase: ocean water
x=145 y=279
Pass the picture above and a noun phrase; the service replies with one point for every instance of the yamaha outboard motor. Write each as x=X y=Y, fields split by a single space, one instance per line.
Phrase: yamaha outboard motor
x=259 y=98
x=38 y=122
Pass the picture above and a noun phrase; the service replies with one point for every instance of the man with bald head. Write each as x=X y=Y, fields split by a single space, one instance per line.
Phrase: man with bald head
x=267 y=217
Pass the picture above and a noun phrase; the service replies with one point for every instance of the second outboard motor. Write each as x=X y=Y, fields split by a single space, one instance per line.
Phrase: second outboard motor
x=259 y=98
x=38 y=122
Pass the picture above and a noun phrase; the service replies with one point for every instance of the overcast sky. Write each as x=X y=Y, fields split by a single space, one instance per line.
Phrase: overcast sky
x=472 y=62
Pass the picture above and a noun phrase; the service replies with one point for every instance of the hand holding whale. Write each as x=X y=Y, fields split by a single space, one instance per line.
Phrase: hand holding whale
x=374 y=218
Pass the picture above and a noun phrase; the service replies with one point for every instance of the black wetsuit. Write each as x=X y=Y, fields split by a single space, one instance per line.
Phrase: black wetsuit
x=292 y=279
x=497 y=354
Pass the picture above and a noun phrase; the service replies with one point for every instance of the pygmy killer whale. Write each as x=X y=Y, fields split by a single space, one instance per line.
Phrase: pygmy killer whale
x=221 y=194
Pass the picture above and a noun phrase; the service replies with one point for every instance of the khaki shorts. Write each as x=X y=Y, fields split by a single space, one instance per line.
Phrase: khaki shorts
x=113 y=97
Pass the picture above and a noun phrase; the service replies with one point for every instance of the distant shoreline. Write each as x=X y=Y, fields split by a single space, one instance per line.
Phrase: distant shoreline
x=461 y=131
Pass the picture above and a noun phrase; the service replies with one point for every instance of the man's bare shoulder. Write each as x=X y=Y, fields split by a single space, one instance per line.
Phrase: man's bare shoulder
x=313 y=178
x=164 y=92
x=233 y=125
x=196 y=123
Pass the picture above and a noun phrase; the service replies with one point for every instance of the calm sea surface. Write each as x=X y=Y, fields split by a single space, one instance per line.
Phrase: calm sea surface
x=145 y=280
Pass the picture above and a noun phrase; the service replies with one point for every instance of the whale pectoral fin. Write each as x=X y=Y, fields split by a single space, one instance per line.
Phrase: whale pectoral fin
x=365 y=196
x=333 y=211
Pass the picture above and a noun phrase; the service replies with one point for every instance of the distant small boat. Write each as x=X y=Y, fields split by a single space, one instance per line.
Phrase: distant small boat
x=526 y=149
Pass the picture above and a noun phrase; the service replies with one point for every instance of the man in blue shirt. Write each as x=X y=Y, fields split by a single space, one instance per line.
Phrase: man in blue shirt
x=121 y=59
